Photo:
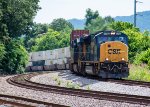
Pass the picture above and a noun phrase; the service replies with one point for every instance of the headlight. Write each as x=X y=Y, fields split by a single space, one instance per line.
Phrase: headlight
x=106 y=59
x=122 y=59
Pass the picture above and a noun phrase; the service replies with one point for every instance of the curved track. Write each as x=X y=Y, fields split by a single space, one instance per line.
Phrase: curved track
x=21 y=102
x=24 y=81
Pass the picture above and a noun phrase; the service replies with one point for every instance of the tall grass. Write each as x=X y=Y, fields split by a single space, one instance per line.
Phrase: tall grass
x=139 y=73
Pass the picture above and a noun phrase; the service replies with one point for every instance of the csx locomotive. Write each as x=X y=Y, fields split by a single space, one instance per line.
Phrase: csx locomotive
x=104 y=53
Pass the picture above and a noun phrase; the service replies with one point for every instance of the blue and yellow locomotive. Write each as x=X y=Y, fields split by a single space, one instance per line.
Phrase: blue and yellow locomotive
x=104 y=53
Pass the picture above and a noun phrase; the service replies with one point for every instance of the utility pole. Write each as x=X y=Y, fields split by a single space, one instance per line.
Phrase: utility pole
x=135 y=13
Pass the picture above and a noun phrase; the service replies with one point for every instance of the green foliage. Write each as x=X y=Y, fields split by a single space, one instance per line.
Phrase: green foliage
x=149 y=64
x=51 y=40
x=139 y=73
x=16 y=16
x=108 y=19
x=60 y=24
x=120 y=26
x=15 y=58
x=2 y=52
x=135 y=42
x=72 y=85
x=95 y=23
x=88 y=87
x=145 y=42
x=90 y=15
x=143 y=57
x=98 y=24
x=34 y=31
x=30 y=43
x=37 y=29
x=146 y=33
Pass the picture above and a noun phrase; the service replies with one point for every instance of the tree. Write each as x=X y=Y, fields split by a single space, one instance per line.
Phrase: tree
x=109 y=19
x=60 y=24
x=51 y=40
x=99 y=24
x=37 y=29
x=90 y=15
x=96 y=25
x=15 y=58
x=143 y=57
x=16 y=16
x=2 y=52
x=120 y=26
x=34 y=31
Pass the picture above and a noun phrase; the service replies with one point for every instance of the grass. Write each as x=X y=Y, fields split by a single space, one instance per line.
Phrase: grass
x=139 y=73
x=57 y=80
x=88 y=87
x=72 y=85
x=69 y=84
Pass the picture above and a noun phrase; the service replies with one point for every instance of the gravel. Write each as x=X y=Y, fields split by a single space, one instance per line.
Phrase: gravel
x=3 y=106
x=72 y=101
x=91 y=84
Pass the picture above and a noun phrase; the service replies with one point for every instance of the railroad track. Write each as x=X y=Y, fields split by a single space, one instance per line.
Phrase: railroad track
x=121 y=81
x=22 y=102
x=24 y=81
x=130 y=82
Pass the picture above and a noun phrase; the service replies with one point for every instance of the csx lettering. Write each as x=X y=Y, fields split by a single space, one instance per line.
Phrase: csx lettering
x=114 y=51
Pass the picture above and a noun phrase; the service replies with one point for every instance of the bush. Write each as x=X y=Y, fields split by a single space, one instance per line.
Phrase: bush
x=2 y=52
x=149 y=64
x=121 y=26
x=15 y=58
x=143 y=57
x=135 y=43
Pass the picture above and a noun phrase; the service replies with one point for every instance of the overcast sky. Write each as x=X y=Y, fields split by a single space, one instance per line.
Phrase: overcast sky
x=68 y=9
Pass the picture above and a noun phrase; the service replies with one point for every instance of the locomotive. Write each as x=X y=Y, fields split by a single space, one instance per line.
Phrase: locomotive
x=104 y=53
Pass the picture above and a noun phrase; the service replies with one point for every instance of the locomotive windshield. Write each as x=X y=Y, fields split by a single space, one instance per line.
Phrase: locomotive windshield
x=103 y=39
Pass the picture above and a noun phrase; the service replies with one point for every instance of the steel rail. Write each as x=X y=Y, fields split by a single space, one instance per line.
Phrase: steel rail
x=25 y=100
x=130 y=82
x=26 y=83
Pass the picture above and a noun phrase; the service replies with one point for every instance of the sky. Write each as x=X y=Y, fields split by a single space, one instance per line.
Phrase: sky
x=68 y=9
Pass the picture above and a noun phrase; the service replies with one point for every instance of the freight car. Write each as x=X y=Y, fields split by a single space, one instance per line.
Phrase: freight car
x=56 y=59
x=104 y=53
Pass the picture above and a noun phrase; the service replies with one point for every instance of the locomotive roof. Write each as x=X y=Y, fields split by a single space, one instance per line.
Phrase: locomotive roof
x=109 y=33
x=102 y=33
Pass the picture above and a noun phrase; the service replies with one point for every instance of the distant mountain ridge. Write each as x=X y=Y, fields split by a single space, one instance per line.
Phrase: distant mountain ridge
x=77 y=23
x=143 y=21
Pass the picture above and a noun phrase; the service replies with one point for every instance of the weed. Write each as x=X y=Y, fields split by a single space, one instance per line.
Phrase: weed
x=59 y=82
x=139 y=73
x=72 y=85
x=88 y=87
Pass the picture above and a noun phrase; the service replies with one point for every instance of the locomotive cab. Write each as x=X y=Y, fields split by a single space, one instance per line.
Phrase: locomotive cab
x=113 y=54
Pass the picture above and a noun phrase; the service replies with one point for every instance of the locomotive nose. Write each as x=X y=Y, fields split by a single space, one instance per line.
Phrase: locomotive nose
x=113 y=51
